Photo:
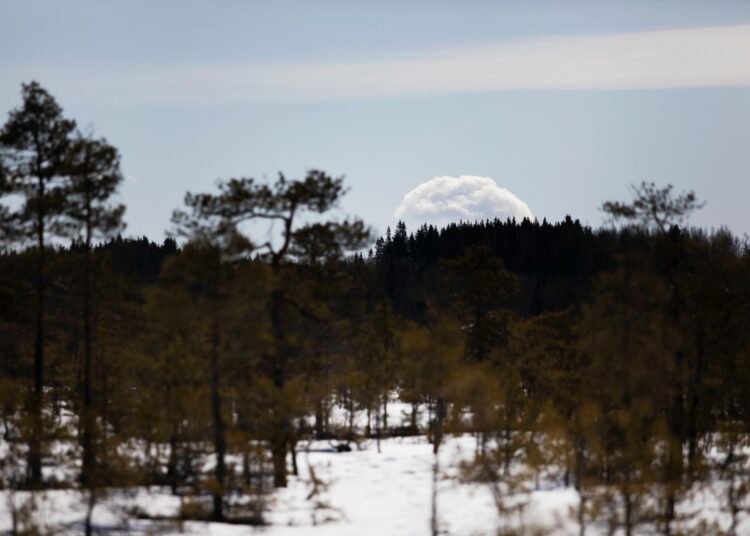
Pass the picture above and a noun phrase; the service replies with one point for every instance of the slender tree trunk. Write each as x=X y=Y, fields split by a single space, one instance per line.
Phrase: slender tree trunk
x=581 y=514
x=88 y=460
x=437 y=437
x=280 y=432
x=319 y=419
x=293 y=451
x=434 y=518
x=35 y=447
x=385 y=411
x=377 y=425
x=507 y=446
x=695 y=404
x=246 y=474
x=578 y=483
x=220 y=445
x=627 y=500
x=669 y=511
x=281 y=427
x=104 y=398
x=172 y=461
x=278 y=454
x=350 y=407
x=436 y=442
x=733 y=506
x=13 y=517
x=90 y=505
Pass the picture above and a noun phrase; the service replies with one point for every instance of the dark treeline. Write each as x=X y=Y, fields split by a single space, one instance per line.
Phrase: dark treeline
x=614 y=361
x=555 y=262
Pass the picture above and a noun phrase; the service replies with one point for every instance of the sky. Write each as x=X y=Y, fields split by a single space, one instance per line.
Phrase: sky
x=433 y=110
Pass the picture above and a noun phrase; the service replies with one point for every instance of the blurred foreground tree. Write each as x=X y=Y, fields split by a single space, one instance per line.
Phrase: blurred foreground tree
x=34 y=143
x=284 y=202
x=93 y=167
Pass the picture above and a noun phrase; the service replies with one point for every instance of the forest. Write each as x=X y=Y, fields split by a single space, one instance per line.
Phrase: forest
x=611 y=362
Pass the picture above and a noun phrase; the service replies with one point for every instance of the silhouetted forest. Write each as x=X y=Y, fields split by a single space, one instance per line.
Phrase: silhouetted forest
x=615 y=361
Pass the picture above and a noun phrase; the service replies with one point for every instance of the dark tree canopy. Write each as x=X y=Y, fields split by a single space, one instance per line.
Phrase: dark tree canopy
x=34 y=144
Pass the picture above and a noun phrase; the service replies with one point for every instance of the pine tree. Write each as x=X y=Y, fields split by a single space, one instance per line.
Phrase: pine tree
x=284 y=202
x=34 y=143
x=94 y=175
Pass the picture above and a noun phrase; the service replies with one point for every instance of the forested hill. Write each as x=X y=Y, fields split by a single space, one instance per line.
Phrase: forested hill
x=533 y=248
x=138 y=258
x=556 y=263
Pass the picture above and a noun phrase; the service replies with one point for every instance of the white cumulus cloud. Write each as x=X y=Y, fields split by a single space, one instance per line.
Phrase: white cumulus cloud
x=445 y=199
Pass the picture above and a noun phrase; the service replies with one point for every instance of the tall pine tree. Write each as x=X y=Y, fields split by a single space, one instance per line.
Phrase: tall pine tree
x=34 y=143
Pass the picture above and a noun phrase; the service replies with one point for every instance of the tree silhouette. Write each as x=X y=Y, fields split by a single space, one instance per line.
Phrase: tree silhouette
x=94 y=174
x=654 y=207
x=284 y=202
x=34 y=143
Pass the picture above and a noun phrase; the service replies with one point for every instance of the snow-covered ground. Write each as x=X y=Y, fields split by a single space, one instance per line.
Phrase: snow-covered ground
x=359 y=493
x=363 y=492
x=390 y=492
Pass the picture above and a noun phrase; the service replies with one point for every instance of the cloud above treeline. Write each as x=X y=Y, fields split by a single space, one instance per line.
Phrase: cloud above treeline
x=669 y=58
x=445 y=199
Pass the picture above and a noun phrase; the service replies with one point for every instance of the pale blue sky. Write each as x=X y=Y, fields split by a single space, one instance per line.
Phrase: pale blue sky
x=392 y=94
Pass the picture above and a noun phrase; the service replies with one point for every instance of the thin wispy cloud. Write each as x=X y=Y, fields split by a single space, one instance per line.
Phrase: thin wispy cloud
x=676 y=58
